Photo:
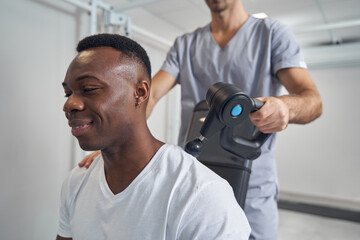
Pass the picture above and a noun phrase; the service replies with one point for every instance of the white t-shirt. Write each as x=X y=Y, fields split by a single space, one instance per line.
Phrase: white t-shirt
x=174 y=197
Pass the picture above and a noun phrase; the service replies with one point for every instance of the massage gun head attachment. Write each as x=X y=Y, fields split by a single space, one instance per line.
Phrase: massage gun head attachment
x=194 y=147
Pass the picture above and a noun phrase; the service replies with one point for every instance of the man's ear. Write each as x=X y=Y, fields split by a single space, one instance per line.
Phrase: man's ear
x=142 y=92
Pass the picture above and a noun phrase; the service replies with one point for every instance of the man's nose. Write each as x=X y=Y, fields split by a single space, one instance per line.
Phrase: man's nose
x=73 y=103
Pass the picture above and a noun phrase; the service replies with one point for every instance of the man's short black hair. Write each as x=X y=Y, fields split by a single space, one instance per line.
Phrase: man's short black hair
x=126 y=45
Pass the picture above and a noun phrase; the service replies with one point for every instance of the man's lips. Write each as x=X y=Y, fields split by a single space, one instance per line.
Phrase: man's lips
x=79 y=127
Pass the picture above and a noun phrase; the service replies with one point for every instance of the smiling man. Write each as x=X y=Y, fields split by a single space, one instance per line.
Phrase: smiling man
x=139 y=187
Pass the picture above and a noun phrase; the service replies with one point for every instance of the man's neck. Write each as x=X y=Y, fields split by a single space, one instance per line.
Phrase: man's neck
x=225 y=24
x=124 y=164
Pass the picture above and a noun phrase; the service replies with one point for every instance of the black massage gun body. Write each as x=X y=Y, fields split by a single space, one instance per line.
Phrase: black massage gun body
x=227 y=109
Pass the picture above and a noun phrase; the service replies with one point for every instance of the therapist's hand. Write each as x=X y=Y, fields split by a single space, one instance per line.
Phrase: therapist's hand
x=87 y=161
x=272 y=117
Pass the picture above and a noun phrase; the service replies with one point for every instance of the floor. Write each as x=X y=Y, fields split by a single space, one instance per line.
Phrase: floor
x=302 y=226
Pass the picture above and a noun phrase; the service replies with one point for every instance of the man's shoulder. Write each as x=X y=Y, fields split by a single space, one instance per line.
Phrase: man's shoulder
x=193 y=175
x=200 y=193
x=188 y=167
x=79 y=175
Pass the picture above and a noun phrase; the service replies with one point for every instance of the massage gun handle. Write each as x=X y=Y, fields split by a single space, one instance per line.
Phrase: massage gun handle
x=257 y=104
x=241 y=147
x=245 y=148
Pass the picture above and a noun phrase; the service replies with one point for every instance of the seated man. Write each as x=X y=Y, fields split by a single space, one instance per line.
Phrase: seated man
x=138 y=188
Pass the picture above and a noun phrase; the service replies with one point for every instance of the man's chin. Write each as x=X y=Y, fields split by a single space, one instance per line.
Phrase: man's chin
x=218 y=9
x=88 y=146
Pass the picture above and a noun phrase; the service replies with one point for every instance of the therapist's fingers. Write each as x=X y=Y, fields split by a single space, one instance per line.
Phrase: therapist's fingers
x=272 y=117
x=87 y=161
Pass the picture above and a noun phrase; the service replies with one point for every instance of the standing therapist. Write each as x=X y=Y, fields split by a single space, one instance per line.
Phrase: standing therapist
x=259 y=56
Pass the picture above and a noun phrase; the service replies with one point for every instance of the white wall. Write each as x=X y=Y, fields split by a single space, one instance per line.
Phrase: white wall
x=321 y=160
x=38 y=40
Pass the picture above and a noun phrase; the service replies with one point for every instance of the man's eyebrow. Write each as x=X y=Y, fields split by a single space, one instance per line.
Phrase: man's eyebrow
x=82 y=78
x=86 y=76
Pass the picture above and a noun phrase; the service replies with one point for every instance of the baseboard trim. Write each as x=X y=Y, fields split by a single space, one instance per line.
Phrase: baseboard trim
x=323 y=211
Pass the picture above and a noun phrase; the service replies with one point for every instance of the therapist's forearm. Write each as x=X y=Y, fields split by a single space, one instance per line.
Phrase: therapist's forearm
x=150 y=107
x=304 y=107
x=161 y=84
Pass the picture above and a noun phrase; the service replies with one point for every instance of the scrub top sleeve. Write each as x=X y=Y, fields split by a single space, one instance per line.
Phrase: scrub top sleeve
x=285 y=50
x=172 y=61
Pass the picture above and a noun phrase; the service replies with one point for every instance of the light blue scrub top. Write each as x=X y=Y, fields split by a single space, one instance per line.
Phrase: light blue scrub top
x=250 y=61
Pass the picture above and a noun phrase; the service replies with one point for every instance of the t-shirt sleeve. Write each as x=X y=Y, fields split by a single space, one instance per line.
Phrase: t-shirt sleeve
x=215 y=214
x=172 y=61
x=64 y=229
x=285 y=50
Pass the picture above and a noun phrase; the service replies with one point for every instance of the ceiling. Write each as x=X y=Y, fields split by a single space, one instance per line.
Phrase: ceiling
x=327 y=30
x=314 y=22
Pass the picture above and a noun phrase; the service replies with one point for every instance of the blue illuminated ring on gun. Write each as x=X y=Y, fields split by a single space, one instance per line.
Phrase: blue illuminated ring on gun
x=236 y=110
